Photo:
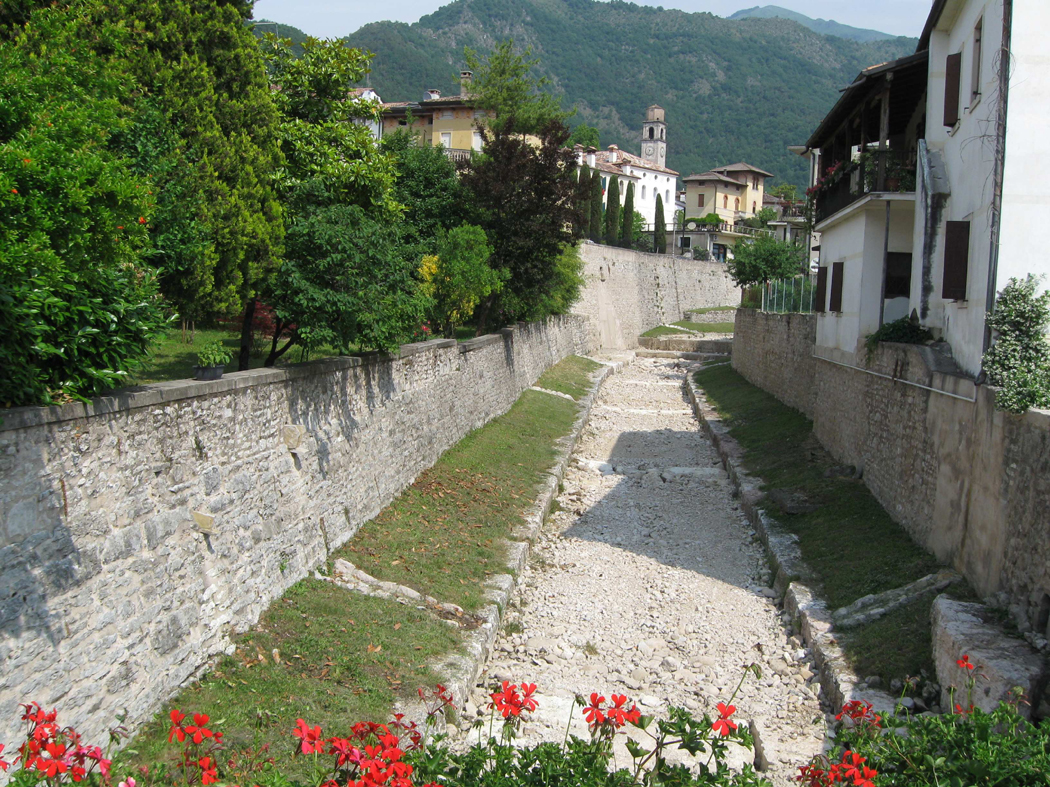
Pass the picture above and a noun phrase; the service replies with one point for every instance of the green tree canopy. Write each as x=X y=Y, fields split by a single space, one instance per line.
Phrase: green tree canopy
x=78 y=303
x=763 y=259
x=660 y=228
x=459 y=277
x=585 y=135
x=627 y=222
x=524 y=198
x=612 y=212
x=505 y=83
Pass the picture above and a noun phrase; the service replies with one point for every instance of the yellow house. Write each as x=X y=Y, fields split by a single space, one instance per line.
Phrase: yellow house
x=735 y=192
x=448 y=121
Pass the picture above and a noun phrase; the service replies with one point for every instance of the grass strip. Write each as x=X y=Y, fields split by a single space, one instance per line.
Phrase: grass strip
x=571 y=376
x=849 y=540
x=445 y=534
x=684 y=327
x=321 y=653
x=710 y=309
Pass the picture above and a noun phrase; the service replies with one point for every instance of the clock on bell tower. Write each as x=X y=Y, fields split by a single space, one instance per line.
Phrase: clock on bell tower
x=654 y=136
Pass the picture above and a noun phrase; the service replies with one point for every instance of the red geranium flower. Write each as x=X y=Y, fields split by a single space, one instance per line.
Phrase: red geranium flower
x=965 y=662
x=619 y=715
x=197 y=730
x=723 y=724
x=54 y=763
x=209 y=770
x=176 y=730
x=593 y=712
x=528 y=701
x=310 y=737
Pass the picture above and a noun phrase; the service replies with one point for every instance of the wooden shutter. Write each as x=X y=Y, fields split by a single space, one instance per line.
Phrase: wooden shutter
x=821 y=303
x=952 y=88
x=956 y=260
x=838 y=271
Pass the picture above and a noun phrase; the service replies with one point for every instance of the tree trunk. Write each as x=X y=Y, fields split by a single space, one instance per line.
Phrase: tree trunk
x=483 y=313
x=244 y=359
x=276 y=353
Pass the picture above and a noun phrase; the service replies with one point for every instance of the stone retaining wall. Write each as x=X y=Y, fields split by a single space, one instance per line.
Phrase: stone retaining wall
x=969 y=483
x=111 y=596
x=628 y=292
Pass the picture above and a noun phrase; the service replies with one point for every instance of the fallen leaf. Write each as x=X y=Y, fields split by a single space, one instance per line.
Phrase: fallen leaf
x=397 y=626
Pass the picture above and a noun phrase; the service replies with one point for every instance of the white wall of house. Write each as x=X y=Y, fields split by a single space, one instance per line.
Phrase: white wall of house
x=859 y=239
x=649 y=184
x=1025 y=227
x=968 y=152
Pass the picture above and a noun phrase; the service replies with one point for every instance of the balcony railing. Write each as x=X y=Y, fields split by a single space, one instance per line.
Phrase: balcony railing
x=458 y=154
x=874 y=172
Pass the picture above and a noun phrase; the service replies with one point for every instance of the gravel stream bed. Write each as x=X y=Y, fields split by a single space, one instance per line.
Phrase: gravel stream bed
x=649 y=582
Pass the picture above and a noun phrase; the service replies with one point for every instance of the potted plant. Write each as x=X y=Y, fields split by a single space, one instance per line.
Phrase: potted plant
x=211 y=361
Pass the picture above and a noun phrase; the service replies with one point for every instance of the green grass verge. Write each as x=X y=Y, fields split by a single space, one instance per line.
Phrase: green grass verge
x=571 y=376
x=343 y=658
x=710 y=309
x=662 y=330
x=445 y=534
x=173 y=359
x=707 y=327
x=849 y=541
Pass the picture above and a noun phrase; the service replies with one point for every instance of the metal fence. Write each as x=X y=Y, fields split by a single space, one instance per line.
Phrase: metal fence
x=795 y=295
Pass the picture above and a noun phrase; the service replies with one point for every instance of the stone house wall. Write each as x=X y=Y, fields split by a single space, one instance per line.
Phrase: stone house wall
x=969 y=483
x=111 y=597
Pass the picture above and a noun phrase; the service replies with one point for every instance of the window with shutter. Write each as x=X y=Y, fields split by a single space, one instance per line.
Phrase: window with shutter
x=838 y=272
x=952 y=88
x=820 y=303
x=898 y=275
x=956 y=260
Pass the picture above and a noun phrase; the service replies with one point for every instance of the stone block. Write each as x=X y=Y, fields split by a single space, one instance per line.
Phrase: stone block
x=1003 y=662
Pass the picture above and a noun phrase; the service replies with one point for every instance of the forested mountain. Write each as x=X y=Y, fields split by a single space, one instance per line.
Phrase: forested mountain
x=733 y=89
x=827 y=27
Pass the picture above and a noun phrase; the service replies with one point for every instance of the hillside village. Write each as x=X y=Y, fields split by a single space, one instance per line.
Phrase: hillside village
x=444 y=441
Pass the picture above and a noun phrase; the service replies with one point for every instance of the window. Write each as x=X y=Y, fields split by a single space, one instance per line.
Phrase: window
x=718 y=251
x=687 y=242
x=478 y=141
x=956 y=260
x=725 y=201
x=661 y=133
x=952 y=87
x=643 y=192
x=667 y=196
x=838 y=272
x=446 y=139
x=754 y=207
x=700 y=200
x=736 y=204
x=820 y=302
x=652 y=133
x=480 y=113
x=898 y=275
x=446 y=114
x=975 y=78
x=754 y=181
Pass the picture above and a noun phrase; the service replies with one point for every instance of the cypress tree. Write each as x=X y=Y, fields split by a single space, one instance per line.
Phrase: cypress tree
x=660 y=228
x=596 y=207
x=612 y=212
x=583 y=201
x=627 y=223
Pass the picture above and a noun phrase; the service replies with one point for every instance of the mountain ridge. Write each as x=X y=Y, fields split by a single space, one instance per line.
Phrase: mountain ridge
x=827 y=27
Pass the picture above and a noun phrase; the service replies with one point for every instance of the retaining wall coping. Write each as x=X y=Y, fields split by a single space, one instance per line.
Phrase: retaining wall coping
x=154 y=394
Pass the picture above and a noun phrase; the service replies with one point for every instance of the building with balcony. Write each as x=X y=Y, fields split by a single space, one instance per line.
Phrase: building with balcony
x=446 y=121
x=927 y=176
x=733 y=193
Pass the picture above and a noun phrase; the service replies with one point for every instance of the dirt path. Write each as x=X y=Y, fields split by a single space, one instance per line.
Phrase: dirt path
x=649 y=582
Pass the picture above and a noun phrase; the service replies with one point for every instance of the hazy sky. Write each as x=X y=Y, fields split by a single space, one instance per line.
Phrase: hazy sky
x=336 y=18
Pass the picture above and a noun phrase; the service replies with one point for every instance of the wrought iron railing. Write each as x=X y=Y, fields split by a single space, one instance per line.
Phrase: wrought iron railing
x=877 y=171
x=794 y=295
x=458 y=154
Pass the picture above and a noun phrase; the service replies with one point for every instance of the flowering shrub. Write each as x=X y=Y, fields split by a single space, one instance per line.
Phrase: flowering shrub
x=52 y=754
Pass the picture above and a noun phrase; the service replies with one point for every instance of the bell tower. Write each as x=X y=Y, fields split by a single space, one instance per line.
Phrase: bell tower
x=654 y=136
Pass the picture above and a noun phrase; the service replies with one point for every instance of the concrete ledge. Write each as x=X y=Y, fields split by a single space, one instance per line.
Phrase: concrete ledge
x=460 y=670
x=812 y=616
x=1002 y=662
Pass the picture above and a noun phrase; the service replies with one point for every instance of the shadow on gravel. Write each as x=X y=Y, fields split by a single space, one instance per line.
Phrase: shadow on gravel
x=671 y=502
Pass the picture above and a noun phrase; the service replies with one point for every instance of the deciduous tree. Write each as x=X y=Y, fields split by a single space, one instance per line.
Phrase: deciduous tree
x=763 y=259
x=458 y=277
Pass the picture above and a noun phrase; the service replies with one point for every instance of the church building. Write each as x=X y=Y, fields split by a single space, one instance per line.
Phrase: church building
x=649 y=172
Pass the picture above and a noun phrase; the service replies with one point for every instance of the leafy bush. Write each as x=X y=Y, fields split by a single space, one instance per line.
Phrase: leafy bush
x=458 y=276
x=763 y=259
x=1019 y=361
x=902 y=331
x=971 y=748
x=711 y=220
x=213 y=354
x=78 y=305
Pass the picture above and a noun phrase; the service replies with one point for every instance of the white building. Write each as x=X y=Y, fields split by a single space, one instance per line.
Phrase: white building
x=368 y=94
x=647 y=172
x=932 y=175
